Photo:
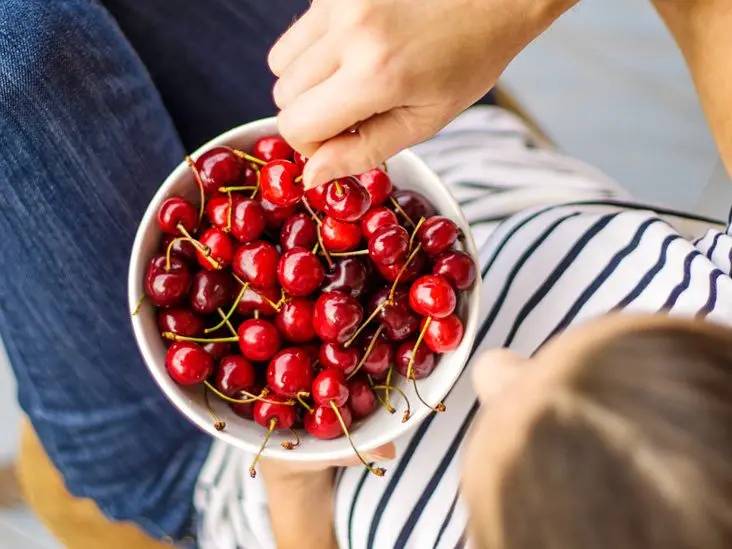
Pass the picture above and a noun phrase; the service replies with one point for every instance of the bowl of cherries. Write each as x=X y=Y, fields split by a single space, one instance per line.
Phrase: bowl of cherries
x=302 y=325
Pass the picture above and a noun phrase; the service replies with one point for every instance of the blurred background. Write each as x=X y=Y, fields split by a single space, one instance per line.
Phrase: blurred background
x=609 y=87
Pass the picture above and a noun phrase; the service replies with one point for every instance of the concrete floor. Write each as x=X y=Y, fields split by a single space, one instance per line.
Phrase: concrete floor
x=609 y=86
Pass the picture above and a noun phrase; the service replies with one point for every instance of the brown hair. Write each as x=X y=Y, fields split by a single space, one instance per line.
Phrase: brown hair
x=634 y=451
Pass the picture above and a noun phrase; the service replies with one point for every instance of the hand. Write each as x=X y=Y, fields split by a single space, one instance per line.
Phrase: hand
x=395 y=70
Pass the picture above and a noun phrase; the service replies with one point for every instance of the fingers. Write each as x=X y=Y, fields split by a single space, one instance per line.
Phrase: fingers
x=305 y=32
x=383 y=453
x=316 y=64
x=375 y=140
x=494 y=371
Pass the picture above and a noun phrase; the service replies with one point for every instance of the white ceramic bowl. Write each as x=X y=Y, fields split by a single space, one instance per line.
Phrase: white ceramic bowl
x=407 y=171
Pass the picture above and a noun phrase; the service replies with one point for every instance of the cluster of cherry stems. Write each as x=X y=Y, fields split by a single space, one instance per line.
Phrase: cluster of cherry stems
x=284 y=264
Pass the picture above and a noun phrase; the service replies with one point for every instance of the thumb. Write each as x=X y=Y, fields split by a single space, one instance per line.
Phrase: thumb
x=382 y=453
x=373 y=141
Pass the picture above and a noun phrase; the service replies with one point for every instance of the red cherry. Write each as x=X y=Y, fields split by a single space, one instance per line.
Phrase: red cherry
x=211 y=290
x=219 y=167
x=266 y=410
x=389 y=245
x=165 y=288
x=376 y=218
x=246 y=410
x=259 y=340
x=235 y=373
x=323 y=422
x=361 y=398
x=272 y=147
x=247 y=220
x=218 y=349
x=277 y=180
x=220 y=246
x=336 y=316
x=180 y=321
x=300 y=272
x=313 y=351
x=457 y=267
x=414 y=204
x=299 y=231
x=413 y=270
x=295 y=320
x=378 y=185
x=437 y=234
x=187 y=363
x=251 y=177
x=380 y=358
x=443 y=334
x=398 y=319
x=346 y=199
x=349 y=275
x=432 y=295
x=299 y=159
x=337 y=357
x=256 y=262
x=177 y=211
x=274 y=215
x=290 y=372
x=424 y=359
x=183 y=249
x=316 y=197
x=339 y=236
x=253 y=300
x=217 y=210
x=330 y=386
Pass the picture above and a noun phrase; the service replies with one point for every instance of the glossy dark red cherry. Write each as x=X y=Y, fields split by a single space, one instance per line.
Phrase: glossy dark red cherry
x=246 y=410
x=219 y=167
x=300 y=272
x=361 y=398
x=330 y=386
x=389 y=245
x=398 y=319
x=376 y=218
x=457 y=268
x=181 y=321
x=177 y=211
x=295 y=320
x=299 y=159
x=220 y=246
x=290 y=372
x=253 y=300
x=187 y=363
x=337 y=357
x=424 y=359
x=218 y=349
x=437 y=234
x=251 y=175
x=272 y=147
x=256 y=262
x=277 y=179
x=336 y=316
x=432 y=295
x=379 y=359
x=349 y=275
x=346 y=199
x=274 y=407
x=299 y=231
x=183 y=249
x=378 y=184
x=316 y=197
x=414 y=204
x=247 y=220
x=211 y=290
x=443 y=334
x=165 y=288
x=323 y=422
x=274 y=215
x=234 y=373
x=339 y=236
x=259 y=340
x=413 y=270
x=217 y=210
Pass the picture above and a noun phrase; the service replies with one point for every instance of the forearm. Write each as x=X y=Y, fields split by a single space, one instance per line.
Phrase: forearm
x=702 y=30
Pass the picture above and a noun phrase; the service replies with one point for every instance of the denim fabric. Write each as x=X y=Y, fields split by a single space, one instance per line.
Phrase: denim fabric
x=97 y=104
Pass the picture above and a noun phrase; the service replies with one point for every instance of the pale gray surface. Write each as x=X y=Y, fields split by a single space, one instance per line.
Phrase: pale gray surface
x=611 y=89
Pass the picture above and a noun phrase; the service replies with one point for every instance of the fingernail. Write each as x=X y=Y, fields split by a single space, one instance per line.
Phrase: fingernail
x=313 y=176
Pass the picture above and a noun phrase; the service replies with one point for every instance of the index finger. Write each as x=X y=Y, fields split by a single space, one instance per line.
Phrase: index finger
x=301 y=35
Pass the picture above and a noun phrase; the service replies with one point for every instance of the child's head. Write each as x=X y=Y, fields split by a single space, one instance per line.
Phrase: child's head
x=617 y=435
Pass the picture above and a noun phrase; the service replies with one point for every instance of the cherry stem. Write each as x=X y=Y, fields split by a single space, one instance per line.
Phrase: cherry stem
x=176 y=337
x=275 y=306
x=228 y=323
x=338 y=187
x=410 y=366
x=300 y=398
x=408 y=411
x=289 y=445
x=366 y=322
x=229 y=213
x=388 y=407
x=386 y=170
x=388 y=384
x=325 y=250
x=403 y=270
x=256 y=189
x=249 y=158
x=250 y=397
x=197 y=177
x=236 y=188
x=401 y=211
x=139 y=305
x=310 y=210
x=231 y=311
x=169 y=250
x=440 y=406
x=205 y=251
x=298 y=179
x=378 y=471
x=256 y=314
x=219 y=424
x=368 y=350
x=414 y=232
x=349 y=254
x=316 y=248
x=252 y=467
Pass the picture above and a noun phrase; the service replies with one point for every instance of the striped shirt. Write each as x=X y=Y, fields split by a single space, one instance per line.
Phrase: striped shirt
x=560 y=243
